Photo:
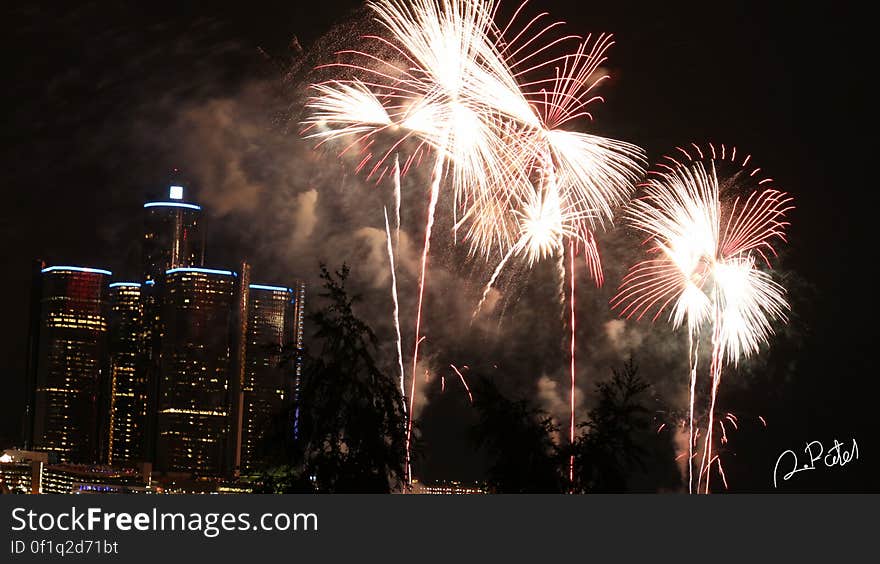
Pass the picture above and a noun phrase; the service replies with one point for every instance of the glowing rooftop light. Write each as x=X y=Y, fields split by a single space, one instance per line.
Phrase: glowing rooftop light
x=273 y=288
x=76 y=269
x=172 y=205
x=150 y=282
x=125 y=284
x=175 y=192
x=202 y=271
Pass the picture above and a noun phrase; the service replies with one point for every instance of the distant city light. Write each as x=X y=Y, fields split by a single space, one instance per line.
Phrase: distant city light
x=202 y=270
x=150 y=282
x=118 y=284
x=76 y=269
x=172 y=205
x=175 y=192
x=275 y=288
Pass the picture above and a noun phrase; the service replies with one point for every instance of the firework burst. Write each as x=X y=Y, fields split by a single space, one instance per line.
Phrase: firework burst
x=710 y=222
x=481 y=99
x=428 y=90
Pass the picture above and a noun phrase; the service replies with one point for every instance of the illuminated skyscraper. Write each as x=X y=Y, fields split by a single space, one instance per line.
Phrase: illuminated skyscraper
x=70 y=363
x=197 y=356
x=173 y=238
x=299 y=314
x=173 y=235
x=126 y=427
x=269 y=381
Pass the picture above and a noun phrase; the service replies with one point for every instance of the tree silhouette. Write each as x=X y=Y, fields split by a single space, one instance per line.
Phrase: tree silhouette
x=620 y=441
x=351 y=423
x=618 y=449
x=518 y=436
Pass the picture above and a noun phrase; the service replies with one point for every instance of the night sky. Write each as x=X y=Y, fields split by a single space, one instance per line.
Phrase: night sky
x=102 y=101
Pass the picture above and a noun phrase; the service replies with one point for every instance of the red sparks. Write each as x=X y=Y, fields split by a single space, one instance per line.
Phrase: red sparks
x=464 y=382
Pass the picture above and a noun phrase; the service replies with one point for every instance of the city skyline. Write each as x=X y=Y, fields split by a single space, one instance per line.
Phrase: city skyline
x=183 y=370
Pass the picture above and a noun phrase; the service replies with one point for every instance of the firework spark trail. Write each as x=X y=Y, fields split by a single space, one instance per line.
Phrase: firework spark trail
x=739 y=324
x=492 y=280
x=723 y=476
x=396 y=312
x=702 y=267
x=693 y=352
x=572 y=324
x=464 y=382
x=436 y=177
x=397 y=201
x=560 y=275
x=412 y=395
x=733 y=420
x=592 y=259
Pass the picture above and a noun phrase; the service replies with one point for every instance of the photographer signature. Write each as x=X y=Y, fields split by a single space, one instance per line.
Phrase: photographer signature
x=837 y=455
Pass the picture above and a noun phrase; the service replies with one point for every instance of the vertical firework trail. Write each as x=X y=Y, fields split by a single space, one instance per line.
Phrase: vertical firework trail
x=396 y=312
x=715 y=376
x=560 y=277
x=391 y=254
x=513 y=250
x=693 y=350
x=436 y=177
x=572 y=324
x=397 y=198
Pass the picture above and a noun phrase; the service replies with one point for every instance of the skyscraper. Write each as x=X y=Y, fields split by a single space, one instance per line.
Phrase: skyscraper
x=127 y=384
x=269 y=380
x=299 y=314
x=173 y=238
x=70 y=362
x=173 y=235
x=197 y=342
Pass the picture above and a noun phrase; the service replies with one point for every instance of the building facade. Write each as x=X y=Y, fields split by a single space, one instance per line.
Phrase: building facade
x=299 y=313
x=173 y=237
x=21 y=471
x=198 y=328
x=71 y=362
x=94 y=479
x=269 y=377
x=126 y=429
